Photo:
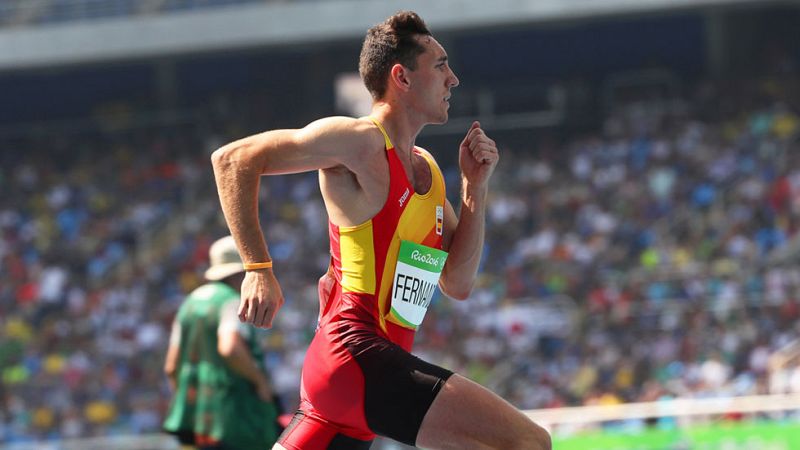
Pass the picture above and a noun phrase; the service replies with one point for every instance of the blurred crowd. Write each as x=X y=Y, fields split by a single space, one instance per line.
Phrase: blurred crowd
x=661 y=246
x=649 y=258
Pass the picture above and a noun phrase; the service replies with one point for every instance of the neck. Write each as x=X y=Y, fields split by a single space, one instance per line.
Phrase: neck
x=402 y=127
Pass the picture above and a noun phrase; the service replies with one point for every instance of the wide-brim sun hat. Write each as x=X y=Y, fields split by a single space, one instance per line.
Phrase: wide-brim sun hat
x=224 y=259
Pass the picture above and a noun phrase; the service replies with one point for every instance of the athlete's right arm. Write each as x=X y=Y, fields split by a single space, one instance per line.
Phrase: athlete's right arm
x=233 y=349
x=173 y=354
x=238 y=166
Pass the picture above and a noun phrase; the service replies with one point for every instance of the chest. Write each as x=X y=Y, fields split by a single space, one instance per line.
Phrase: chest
x=418 y=173
x=355 y=195
x=380 y=172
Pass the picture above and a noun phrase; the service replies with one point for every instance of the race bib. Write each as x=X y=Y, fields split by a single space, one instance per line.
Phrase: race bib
x=415 y=280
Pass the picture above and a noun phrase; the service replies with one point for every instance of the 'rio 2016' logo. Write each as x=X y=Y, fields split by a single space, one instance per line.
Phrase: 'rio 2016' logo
x=426 y=258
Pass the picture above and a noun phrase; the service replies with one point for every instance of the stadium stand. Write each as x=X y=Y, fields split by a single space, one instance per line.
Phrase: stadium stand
x=47 y=12
x=681 y=248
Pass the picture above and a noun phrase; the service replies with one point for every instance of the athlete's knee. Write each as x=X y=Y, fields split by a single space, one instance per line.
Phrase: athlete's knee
x=533 y=437
x=541 y=438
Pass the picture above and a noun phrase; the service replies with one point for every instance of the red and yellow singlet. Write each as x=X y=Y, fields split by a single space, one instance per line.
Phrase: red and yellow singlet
x=364 y=257
x=359 y=378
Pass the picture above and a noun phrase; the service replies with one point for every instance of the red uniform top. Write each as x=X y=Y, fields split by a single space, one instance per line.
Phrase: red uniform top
x=361 y=343
x=364 y=256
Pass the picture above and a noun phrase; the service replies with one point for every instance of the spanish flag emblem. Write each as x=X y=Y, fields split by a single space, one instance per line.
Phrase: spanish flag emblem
x=439 y=219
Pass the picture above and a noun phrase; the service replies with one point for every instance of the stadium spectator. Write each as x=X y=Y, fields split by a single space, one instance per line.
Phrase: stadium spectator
x=223 y=398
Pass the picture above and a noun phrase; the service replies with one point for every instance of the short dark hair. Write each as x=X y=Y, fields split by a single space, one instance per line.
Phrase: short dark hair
x=393 y=41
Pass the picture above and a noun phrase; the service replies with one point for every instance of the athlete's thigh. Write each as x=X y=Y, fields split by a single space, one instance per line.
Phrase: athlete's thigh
x=399 y=388
x=466 y=415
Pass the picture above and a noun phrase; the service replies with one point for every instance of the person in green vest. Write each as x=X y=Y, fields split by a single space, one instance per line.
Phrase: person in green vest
x=222 y=394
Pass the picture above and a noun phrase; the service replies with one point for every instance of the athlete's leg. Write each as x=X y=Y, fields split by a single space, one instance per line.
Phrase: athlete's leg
x=466 y=415
x=340 y=442
x=308 y=433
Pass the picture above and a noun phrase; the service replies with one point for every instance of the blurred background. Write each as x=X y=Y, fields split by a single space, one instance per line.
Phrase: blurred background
x=642 y=232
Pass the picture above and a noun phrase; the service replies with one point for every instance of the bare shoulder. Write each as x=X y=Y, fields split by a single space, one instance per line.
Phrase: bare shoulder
x=351 y=132
x=356 y=189
x=335 y=124
x=351 y=139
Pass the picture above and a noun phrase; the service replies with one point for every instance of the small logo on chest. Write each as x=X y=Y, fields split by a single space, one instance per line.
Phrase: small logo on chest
x=439 y=220
x=404 y=197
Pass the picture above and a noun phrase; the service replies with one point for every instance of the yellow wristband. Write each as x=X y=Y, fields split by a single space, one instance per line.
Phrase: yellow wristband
x=258 y=266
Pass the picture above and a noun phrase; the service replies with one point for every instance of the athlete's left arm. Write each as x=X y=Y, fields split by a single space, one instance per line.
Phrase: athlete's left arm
x=463 y=235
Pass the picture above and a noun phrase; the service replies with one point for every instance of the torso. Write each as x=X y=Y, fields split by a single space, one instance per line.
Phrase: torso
x=354 y=195
x=373 y=209
x=368 y=317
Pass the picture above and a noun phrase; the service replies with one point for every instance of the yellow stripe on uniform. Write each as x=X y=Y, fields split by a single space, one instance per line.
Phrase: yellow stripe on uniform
x=358 y=258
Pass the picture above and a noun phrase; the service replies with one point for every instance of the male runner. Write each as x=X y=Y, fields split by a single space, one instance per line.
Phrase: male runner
x=393 y=238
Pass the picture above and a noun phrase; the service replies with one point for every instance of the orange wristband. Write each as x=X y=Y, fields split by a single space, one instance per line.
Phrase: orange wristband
x=258 y=266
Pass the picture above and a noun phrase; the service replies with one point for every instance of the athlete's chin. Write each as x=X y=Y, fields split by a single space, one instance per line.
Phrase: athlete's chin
x=441 y=120
x=439 y=117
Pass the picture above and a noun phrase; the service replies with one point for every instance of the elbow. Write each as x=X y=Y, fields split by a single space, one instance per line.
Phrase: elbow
x=458 y=293
x=236 y=154
x=454 y=285
x=226 y=349
x=222 y=157
x=169 y=370
x=229 y=344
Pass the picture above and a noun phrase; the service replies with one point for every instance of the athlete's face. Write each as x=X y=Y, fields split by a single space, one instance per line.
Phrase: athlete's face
x=432 y=81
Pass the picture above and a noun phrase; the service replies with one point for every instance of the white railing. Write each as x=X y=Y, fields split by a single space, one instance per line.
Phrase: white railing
x=147 y=442
x=764 y=422
x=685 y=411
x=679 y=408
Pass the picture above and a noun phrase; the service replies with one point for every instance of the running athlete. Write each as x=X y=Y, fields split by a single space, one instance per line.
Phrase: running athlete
x=393 y=238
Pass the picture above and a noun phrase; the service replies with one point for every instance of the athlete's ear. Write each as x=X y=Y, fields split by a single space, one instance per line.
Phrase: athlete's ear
x=398 y=76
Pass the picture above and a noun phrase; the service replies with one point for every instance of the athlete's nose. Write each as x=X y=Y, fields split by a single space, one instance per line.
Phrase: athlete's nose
x=453 y=79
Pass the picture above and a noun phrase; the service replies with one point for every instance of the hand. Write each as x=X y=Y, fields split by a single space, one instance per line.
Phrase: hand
x=477 y=155
x=261 y=298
